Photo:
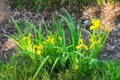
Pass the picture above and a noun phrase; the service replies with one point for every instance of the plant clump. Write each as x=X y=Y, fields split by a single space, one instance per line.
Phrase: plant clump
x=49 y=55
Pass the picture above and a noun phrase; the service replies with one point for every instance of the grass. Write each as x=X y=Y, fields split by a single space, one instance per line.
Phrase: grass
x=52 y=57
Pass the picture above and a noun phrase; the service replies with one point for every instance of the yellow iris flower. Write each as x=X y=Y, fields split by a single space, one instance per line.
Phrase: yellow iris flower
x=81 y=45
x=38 y=52
x=96 y=24
x=48 y=38
x=93 y=42
x=51 y=40
x=28 y=38
x=38 y=49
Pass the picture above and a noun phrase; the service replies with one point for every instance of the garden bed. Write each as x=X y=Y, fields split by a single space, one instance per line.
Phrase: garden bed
x=110 y=51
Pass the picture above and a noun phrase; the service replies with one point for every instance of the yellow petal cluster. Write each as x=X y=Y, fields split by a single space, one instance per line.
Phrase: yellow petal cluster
x=81 y=44
x=95 y=24
x=38 y=49
x=50 y=40
x=27 y=38
x=93 y=42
